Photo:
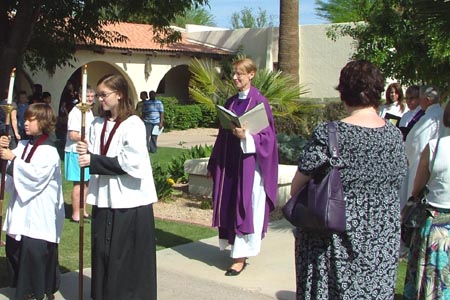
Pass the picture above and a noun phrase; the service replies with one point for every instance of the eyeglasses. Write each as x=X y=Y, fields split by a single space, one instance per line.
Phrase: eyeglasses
x=239 y=75
x=104 y=95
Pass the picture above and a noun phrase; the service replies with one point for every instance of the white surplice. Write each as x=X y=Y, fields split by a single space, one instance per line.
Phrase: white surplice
x=36 y=207
x=129 y=146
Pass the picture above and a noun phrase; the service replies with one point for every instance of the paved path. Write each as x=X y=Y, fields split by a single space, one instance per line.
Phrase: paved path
x=195 y=271
x=188 y=138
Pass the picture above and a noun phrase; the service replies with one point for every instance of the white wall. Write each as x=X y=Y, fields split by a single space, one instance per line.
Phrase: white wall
x=321 y=59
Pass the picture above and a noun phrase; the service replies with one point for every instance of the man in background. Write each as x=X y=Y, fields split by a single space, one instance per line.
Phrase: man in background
x=427 y=128
x=153 y=116
x=414 y=113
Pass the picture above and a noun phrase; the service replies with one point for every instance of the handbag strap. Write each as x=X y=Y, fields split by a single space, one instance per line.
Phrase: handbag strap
x=333 y=143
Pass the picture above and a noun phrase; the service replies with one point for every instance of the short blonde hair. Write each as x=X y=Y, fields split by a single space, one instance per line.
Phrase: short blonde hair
x=245 y=64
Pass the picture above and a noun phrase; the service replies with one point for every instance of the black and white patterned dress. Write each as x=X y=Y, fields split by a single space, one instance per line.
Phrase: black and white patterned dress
x=362 y=262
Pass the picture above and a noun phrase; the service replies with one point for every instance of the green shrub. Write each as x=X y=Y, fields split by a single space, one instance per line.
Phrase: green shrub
x=308 y=115
x=184 y=116
x=334 y=110
x=287 y=125
x=289 y=148
x=161 y=178
x=206 y=204
x=176 y=166
x=209 y=117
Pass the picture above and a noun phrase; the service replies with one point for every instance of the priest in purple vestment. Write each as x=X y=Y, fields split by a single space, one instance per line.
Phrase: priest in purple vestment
x=244 y=168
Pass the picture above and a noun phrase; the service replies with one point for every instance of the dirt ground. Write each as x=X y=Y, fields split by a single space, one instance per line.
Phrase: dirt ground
x=183 y=209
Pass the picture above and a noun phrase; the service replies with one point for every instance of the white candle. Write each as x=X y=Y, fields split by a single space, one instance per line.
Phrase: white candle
x=84 y=85
x=11 y=86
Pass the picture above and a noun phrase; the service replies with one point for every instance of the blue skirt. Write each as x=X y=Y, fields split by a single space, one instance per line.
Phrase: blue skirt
x=72 y=168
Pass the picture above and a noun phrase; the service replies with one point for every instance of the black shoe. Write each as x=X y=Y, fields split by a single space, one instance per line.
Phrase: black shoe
x=233 y=272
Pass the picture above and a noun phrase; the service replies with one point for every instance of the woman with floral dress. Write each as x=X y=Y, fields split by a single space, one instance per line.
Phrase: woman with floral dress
x=360 y=263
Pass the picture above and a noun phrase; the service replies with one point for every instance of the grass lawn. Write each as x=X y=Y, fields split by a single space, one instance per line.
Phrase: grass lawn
x=165 y=155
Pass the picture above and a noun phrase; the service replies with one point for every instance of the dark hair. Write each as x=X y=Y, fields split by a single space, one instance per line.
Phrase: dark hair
x=37 y=87
x=43 y=114
x=152 y=94
x=361 y=84
x=143 y=94
x=399 y=91
x=446 y=117
x=413 y=90
x=119 y=85
x=46 y=95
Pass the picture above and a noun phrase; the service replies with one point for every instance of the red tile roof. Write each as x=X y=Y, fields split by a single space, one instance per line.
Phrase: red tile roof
x=140 y=38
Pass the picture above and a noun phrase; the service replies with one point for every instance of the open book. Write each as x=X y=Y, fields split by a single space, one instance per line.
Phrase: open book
x=256 y=118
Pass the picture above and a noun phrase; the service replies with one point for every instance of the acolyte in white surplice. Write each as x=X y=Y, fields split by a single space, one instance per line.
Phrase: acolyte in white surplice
x=129 y=146
x=36 y=207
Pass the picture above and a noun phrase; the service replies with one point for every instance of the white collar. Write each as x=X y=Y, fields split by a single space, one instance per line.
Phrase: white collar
x=243 y=94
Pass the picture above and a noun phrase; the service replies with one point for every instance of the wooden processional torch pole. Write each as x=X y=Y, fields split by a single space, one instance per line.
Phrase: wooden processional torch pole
x=8 y=108
x=84 y=107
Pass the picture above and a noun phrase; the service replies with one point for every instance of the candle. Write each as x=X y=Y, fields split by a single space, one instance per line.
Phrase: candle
x=84 y=85
x=11 y=86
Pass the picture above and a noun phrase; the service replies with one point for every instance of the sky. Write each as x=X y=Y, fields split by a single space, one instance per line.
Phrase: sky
x=223 y=9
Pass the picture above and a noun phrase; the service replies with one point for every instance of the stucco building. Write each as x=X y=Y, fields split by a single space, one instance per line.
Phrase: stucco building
x=164 y=68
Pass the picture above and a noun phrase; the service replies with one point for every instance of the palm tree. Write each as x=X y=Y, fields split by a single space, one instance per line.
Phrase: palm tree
x=288 y=44
x=209 y=86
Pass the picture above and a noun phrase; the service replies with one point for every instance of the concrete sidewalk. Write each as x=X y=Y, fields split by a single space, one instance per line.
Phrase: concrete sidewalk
x=196 y=271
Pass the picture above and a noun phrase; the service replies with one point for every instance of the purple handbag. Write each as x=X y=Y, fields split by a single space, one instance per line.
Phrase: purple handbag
x=320 y=205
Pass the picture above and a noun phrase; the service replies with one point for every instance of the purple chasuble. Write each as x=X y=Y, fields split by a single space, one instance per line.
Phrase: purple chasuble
x=233 y=172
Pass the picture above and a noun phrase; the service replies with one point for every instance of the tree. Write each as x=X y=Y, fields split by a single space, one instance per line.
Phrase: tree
x=339 y=11
x=45 y=33
x=198 y=16
x=246 y=19
x=288 y=43
x=405 y=41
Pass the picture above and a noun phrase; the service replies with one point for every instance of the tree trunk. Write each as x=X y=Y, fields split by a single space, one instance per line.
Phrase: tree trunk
x=288 y=43
x=15 y=37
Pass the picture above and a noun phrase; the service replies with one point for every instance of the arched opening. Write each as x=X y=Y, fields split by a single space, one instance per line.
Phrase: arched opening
x=70 y=94
x=176 y=84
